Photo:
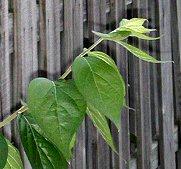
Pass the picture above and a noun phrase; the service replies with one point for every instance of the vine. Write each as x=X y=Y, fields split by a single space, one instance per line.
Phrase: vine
x=56 y=109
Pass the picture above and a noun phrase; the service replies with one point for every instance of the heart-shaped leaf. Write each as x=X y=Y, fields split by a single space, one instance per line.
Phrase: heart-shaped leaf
x=3 y=151
x=14 y=159
x=39 y=150
x=59 y=109
x=102 y=126
x=98 y=79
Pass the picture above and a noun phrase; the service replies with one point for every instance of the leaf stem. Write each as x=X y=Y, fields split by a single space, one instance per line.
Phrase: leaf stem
x=13 y=116
x=81 y=55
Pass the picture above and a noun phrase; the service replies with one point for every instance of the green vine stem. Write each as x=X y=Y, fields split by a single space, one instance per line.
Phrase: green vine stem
x=81 y=55
x=13 y=116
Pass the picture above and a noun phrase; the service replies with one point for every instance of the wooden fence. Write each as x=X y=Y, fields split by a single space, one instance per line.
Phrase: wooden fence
x=42 y=37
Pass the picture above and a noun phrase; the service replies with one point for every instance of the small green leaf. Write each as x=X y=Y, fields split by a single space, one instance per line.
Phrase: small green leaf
x=40 y=152
x=14 y=159
x=142 y=36
x=134 y=24
x=139 y=53
x=3 y=151
x=115 y=35
x=98 y=79
x=59 y=109
x=102 y=126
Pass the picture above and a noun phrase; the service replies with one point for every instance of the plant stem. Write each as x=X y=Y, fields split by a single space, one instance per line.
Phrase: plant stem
x=81 y=55
x=13 y=116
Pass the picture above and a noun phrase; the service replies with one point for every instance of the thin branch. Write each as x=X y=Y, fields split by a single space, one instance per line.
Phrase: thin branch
x=81 y=55
x=13 y=116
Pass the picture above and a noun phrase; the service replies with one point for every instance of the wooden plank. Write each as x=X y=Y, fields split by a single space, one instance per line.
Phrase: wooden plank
x=118 y=12
x=80 y=147
x=42 y=59
x=91 y=133
x=176 y=53
x=153 y=48
x=100 y=22
x=167 y=113
x=25 y=65
x=5 y=66
x=144 y=117
x=67 y=35
x=140 y=95
x=53 y=38
x=11 y=33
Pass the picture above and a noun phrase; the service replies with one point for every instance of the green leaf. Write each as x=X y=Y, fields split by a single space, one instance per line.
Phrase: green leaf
x=40 y=151
x=134 y=24
x=142 y=36
x=59 y=109
x=102 y=126
x=98 y=79
x=115 y=35
x=3 y=151
x=139 y=53
x=14 y=159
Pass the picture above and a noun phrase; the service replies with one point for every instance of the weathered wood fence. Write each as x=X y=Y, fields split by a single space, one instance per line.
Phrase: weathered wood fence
x=41 y=38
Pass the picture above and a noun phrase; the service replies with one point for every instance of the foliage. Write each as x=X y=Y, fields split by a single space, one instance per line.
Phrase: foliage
x=56 y=109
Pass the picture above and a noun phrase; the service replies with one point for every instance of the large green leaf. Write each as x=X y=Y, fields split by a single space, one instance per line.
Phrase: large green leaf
x=139 y=53
x=40 y=151
x=3 y=151
x=102 y=126
x=58 y=109
x=14 y=159
x=98 y=79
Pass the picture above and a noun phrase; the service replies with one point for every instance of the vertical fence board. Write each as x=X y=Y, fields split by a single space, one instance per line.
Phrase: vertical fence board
x=80 y=152
x=144 y=119
x=67 y=45
x=118 y=12
x=42 y=58
x=166 y=115
x=176 y=51
x=153 y=69
x=26 y=58
x=4 y=66
x=53 y=38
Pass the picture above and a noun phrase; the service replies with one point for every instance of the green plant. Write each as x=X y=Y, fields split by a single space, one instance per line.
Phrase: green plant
x=56 y=109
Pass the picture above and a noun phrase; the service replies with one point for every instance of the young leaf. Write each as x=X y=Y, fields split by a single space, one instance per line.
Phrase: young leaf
x=139 y=53
x=134 y=24
x=3 y=151
x=142 y=36
x=99 y=81
x=14 y=159
x=115 y=35
x=59 y=109
x=102 y=126
x=40 y=152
